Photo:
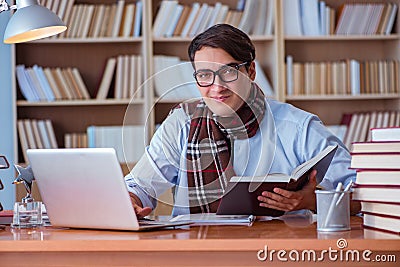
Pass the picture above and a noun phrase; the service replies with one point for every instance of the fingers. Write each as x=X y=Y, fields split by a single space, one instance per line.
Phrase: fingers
x=143 y=212
x=286 y=201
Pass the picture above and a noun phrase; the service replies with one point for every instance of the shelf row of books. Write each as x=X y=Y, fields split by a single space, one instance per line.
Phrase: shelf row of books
x=315 y=18
x=126 y=72
x=344 y=77
x=366 y=18
x=119 y=19
x=359 y=124
x=377 y=186
x=35 y=134
x=308 y=17
x=127 y=140
x=49 y=84
x=255 y=17
x=173 y=79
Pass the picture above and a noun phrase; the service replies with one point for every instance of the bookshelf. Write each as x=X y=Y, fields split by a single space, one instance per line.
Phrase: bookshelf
x=330 y=48
x=90 y=55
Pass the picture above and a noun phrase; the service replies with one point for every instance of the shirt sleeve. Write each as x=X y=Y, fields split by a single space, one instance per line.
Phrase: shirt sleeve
x=316 y=137
x=158 y=168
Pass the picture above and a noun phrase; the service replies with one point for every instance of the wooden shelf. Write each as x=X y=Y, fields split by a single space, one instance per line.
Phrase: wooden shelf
x=90 y=102
x=341 y=97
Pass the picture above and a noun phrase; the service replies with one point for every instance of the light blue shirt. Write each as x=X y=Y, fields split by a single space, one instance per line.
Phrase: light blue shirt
x=286 y=138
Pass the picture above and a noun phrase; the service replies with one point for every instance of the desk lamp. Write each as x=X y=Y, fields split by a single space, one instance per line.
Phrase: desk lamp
x=30 y=21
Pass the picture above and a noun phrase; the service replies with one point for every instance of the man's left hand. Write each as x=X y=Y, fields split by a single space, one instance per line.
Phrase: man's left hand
x=281 y=199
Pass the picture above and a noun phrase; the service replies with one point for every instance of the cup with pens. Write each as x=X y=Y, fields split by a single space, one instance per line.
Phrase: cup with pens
x=333 y=209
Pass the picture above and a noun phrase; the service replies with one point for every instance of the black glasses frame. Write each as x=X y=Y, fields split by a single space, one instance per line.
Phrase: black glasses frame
x=215 y=73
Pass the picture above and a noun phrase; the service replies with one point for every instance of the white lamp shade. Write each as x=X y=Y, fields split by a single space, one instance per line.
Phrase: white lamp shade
x=32 y=22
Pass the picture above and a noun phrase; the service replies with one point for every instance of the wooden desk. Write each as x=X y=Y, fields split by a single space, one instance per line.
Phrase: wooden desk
x=200 y=246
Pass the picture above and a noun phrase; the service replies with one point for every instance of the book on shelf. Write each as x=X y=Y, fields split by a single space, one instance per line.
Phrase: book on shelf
x=310 y=17
x=241 y=194
x=35 y=133
x=53 y=84
x=106 y=79
x=173 y=79
x=361 y=125
x=386 y=133
x=194 y=28
x=127 y=21
x=43 y=82
x=191 y=17
x=75 y=140
x=181 y=21
x=366 y=19
x=163 y=17
x=138 y=19
x=128 y=140
x=390 y=224
x=248 y=19
x=119 y=11
x=79 y=83
x=24 y=86
x=177 y=12
x=23 y=139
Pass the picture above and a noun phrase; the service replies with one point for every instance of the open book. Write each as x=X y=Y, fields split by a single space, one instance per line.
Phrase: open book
x=241 y=194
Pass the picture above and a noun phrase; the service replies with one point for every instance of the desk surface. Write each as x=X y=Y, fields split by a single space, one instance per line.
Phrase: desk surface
x=211 y=245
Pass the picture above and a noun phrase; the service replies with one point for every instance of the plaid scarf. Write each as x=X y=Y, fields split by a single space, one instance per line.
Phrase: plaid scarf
x=210 y=148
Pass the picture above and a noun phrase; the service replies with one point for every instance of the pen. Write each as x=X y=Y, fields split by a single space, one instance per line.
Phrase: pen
x=347 y=188
x=333 y=204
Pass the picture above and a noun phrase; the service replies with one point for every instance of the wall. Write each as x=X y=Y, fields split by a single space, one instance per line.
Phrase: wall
x=7 y=115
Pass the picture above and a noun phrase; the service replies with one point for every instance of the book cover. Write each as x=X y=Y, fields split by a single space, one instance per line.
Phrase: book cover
x=247 y=189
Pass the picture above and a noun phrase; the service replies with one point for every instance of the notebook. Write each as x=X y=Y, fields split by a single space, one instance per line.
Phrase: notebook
x=85 y=188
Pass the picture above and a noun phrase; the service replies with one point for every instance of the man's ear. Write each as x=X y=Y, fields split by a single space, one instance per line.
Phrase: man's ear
x=252 y=71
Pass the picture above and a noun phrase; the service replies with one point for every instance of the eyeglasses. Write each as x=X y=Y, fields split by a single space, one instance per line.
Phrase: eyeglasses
x=3 y=165
x=227 y=73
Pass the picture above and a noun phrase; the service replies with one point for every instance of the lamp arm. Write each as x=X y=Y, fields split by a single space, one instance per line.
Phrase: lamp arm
x=4 y=6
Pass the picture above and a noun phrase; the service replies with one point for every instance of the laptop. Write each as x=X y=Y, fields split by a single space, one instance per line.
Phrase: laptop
x=85 y=188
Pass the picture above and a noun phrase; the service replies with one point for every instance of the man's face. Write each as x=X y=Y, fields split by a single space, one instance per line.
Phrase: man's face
x=223 y=97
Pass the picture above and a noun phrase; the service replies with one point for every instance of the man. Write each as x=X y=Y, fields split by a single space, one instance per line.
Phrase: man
x=232 y=130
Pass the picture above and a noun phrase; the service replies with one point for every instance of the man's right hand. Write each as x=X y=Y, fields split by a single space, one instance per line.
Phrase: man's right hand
x=138 y=206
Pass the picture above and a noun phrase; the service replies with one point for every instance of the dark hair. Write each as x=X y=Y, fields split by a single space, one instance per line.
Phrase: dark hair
x=234 y=41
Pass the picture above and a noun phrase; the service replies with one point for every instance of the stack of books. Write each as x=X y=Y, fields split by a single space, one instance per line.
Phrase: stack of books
x=378 y=179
